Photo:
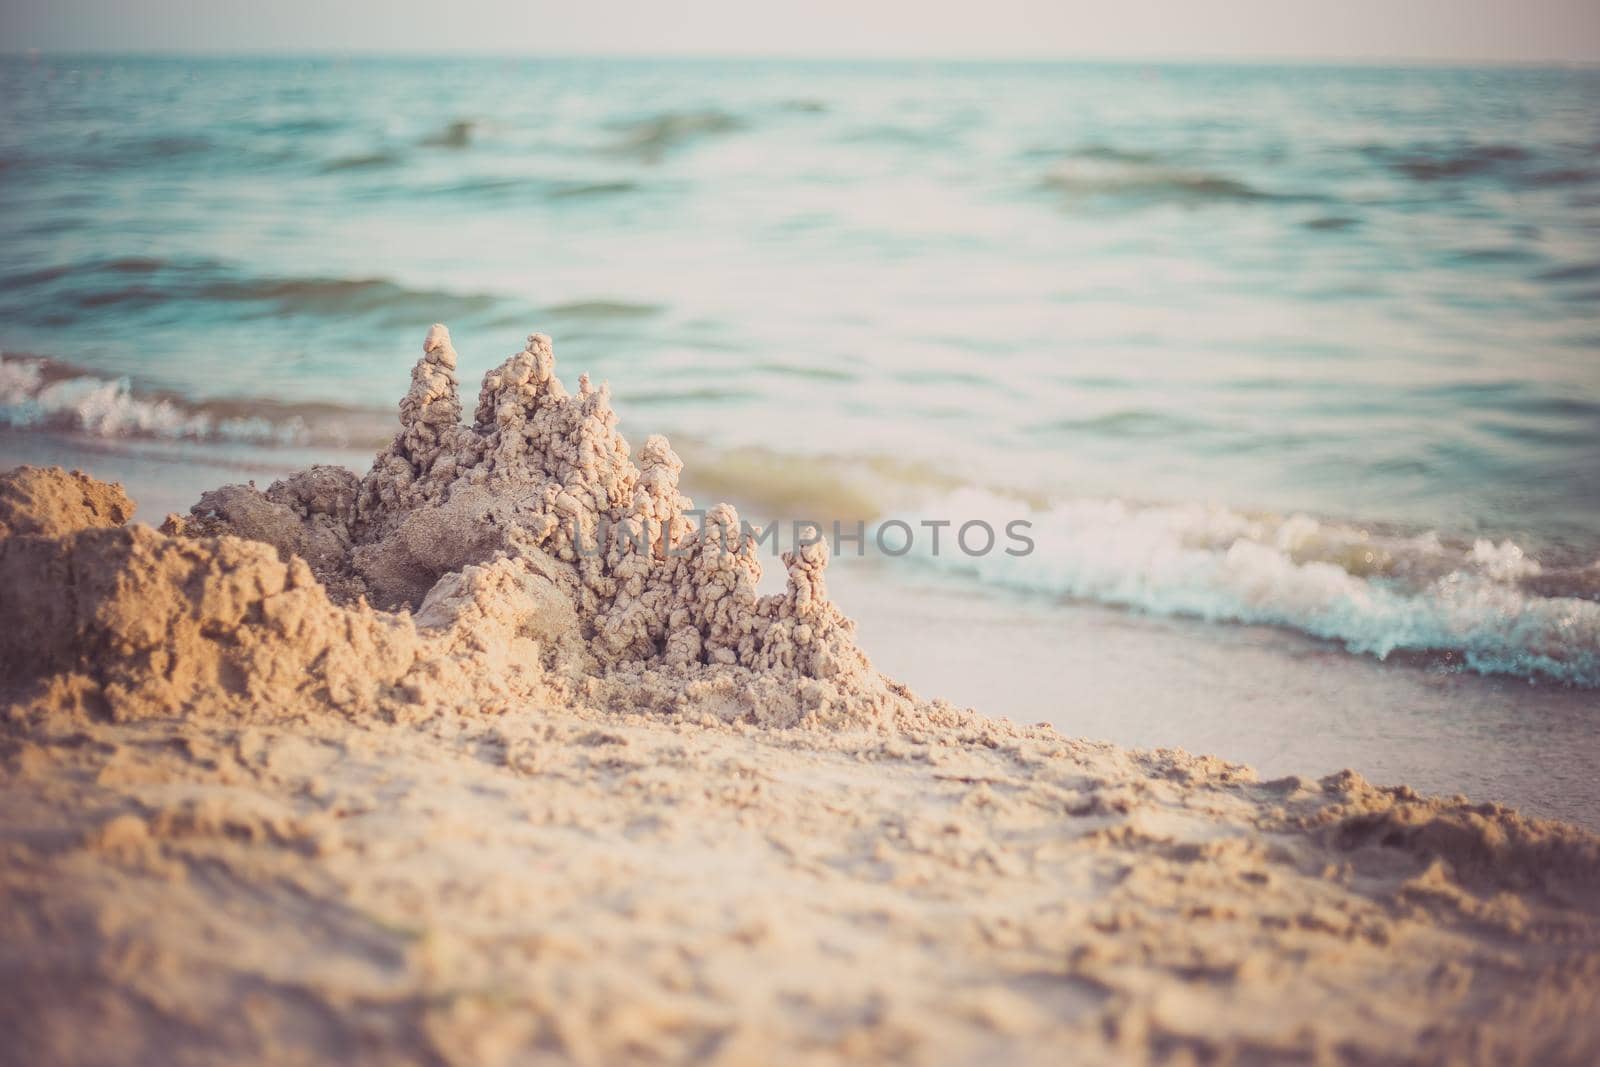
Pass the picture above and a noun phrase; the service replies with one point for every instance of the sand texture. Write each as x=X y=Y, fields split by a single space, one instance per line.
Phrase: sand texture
x=495 y=755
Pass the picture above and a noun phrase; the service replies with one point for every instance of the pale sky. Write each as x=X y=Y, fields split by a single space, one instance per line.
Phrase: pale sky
x=1437 y=30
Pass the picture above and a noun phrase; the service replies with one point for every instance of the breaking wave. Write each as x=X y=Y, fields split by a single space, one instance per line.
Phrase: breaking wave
x=1488 y=606
x=42 y=394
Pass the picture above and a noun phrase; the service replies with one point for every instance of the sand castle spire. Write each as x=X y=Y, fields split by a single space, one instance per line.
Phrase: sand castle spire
x=433 y=404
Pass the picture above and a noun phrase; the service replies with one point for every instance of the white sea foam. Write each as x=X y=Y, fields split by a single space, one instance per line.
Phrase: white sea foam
x=1372 y=594
x=33 y=397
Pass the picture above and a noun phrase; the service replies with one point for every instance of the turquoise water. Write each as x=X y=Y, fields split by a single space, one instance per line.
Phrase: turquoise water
x=1314 y=347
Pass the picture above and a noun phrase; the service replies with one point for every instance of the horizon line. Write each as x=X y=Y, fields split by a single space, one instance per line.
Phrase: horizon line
x=1173 y=58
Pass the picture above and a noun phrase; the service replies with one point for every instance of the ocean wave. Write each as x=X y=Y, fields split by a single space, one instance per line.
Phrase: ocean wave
x=138 y=284
x=1433 y=163
x=1109 y=153
x=1572 y=272
x=162 y=147
x=1331 y=223
x=45 y=275
x=891 y=134
x=515 y=187
x=819 y=488
x=1556 y=176
x=602 y=310
x=1488 y=606
x=299 y=126
x=361 y=161
x=1130 y=422
x=116 y=153
x=343 y=296
x=42 y=394
x=565 y=190
x=649 y=139
x=456 y=134
x=1508 y=164
x=1087 y=177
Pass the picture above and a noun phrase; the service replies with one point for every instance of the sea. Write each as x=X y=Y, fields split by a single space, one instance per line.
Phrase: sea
x=1292 y=369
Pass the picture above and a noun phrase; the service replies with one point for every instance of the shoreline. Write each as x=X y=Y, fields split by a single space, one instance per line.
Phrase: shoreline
x=1272 y=698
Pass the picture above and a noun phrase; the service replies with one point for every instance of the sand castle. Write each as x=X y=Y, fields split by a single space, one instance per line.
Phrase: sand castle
x=389 y=769
x=528 y=536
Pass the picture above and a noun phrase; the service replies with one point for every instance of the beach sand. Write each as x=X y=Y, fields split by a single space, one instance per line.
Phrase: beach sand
x=385 y=770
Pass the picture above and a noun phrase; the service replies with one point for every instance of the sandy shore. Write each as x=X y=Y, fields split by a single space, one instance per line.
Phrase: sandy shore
x=1280 y=701
x=382 y=770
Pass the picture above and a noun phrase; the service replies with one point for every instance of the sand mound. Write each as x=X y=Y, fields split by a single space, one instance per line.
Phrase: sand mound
x=495 y=755
x=51 y=503
x=162 y=626
x=1488 y=846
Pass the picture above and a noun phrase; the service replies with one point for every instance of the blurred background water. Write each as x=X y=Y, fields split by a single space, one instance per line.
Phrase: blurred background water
x=1312 y=347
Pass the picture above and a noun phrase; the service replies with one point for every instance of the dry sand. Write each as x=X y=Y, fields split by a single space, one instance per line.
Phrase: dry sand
x=384 y=769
